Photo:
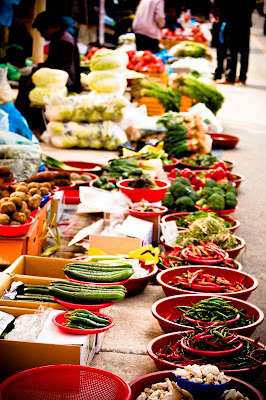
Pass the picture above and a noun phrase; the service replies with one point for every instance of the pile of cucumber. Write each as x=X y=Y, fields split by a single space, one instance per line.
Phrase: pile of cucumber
x=99 y=273
x=84 y=319
x=86 y=294
x=40 y=293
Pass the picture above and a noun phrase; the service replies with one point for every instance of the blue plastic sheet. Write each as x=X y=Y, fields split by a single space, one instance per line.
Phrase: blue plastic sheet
x=6 y=11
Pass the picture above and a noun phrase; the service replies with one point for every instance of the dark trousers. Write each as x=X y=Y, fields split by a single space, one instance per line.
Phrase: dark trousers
x=237 y=44
x=147 y=43
x=221 y=57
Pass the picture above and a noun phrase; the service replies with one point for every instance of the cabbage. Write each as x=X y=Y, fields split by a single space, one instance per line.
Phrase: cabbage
x=50 y=78
x=107 y=81
x=59 y=108
x=105 y=59
x=39 y=96
x=56 y=128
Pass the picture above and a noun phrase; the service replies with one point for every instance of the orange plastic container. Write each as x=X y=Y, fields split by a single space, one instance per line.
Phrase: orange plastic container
x=154 y=107
x=186 y=103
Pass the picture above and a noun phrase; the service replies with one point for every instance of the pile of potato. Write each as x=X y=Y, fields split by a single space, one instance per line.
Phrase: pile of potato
x=18 y=200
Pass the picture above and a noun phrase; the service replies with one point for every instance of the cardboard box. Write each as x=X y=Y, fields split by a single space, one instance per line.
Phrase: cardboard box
x=32 y=243
x=6 y=281
x=112 y=244
x=17 y=356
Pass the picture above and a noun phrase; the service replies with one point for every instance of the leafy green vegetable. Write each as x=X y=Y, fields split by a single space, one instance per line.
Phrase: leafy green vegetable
x=105 y=59
x=201 y=160
x=50 y=78
x=106 y=81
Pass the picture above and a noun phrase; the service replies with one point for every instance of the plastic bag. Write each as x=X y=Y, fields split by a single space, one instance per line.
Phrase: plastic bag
x=28 y=326
x=50 y=78
x=107 y=81
x=4 y=124
x=59 y=108
x=19 y=154
x=39 y=96
x=214 y=125
x=76 y=134
x=6 y=95
x=105 y=59
x=109 y=202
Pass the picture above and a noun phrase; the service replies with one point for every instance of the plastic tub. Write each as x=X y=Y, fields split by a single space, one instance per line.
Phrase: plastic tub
x=73 y=382
x=16 y=230
x=230 y=165
x=232 y=275
x=81 y=167
x=174 y=163
x=162 y=211
x=139 y=384
x=152 y=195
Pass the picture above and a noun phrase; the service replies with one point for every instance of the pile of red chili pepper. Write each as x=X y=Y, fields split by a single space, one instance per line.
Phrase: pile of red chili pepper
x=251 y=355
x=174 y=258
x=209 y=252
x=213 y=338
x=200 y=281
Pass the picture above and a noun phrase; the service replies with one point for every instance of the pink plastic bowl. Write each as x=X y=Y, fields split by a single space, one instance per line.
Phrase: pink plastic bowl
x=139 y=384
x=173 y=217
x=151 y=195
x=230 y=274
x=165 y=312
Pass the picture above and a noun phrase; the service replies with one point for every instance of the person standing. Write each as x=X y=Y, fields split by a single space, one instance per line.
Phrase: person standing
x=147 y=24
x=237 y=16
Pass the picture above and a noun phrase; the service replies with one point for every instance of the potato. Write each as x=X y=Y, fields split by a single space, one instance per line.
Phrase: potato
x=33 y=191
x=27 y=213
x=5 y=193
x=37 y=196
x=4 y=219
x=32 y=185
x=8 y=207
x=44 y=191
x=22 y=195
x=46 y=185
x=33 y=203
x=15 y=223
x=21 y=188
x=19 y=217
x=17 y=201
x=4 y=199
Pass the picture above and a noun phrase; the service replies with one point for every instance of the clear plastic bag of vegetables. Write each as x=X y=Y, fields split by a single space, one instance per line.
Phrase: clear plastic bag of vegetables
x=39 y=96
x=98 y=135
x=59 y=108
x=20 y=155
x=107 y=81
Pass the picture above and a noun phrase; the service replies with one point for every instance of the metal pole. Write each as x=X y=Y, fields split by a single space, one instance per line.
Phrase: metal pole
x=38 y=41
x=101 y=21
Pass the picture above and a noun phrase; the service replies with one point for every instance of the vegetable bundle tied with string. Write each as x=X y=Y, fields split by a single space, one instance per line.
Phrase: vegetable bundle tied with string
x=186 y=134
x=169 y=98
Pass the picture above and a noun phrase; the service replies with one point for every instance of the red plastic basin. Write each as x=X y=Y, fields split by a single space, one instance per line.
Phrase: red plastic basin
x=230 y=274
x=230 y=165
x=139 y=384
x=165 y=312
x=137 y=285
x=83 y=166
x=164 y=340
x=152 y=195
x=168 y=167
x=16 y=230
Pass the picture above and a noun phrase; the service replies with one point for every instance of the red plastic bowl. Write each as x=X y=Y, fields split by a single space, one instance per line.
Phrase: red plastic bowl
x=10 y=183
x=168 y=167
x=67 y=187
x=137 y=285
x=151 y=195
x=16 y=230
x=82 y=166
x=219 y=212
x=146 y=381
x=230 y=274
x=223 y=140
x=59 y=320
x=238 y=179
x=165 y=312
x=164 y=340
x=81 y=183
x=176 y=215
x=233 y=253
x=73 y=382
x=162 y=211
x=230 y=165
x=96 y=283
x=90 y=307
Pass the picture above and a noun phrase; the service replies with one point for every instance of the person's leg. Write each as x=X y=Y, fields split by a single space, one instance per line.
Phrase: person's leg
x=232 y=52
x=221 y=56
x=264 y=28
x=146 y=43
x=244 y=52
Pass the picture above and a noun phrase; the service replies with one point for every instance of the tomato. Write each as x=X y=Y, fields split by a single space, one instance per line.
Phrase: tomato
x=221 y=164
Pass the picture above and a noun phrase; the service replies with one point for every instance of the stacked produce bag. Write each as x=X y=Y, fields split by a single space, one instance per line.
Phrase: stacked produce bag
x=87 y=121
x=47 y=81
